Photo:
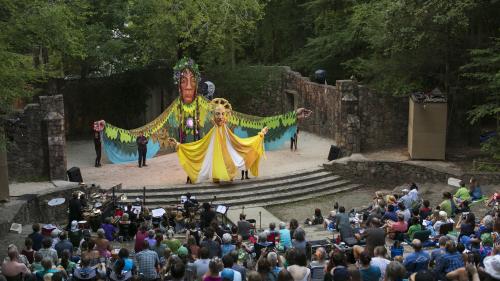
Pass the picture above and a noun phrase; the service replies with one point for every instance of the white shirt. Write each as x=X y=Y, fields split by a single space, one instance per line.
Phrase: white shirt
x=380 y=263
x=237 y=275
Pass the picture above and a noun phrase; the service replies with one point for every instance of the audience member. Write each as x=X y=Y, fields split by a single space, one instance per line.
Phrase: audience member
x=299 y=270
x=212 y=246
x=47 y=251
x=380 y=260
x=63 y=244
x=395 y=271
x=213 y=271
x=367 y=271
x=449 y=261
x=148 y=263
x=36 y=237
x=374 y=236
x=425 y=210
x=14 y=267
x=28 y=251
x=227 y=246
x=285 y=237
x=418 y=260
x=241 y=269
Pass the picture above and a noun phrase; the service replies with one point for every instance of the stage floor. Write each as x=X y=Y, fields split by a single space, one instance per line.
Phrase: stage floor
x=165 y=170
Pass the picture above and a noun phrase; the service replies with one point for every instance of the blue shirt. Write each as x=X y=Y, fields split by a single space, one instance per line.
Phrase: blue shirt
x=390 y=216
x=129 y=264
x=226 y=249
x=37 y=240
x=397 y=251
x=448 y=262
x=437 y=254
x=285 y=239
x=371 y=273
x=417 y=261
x=147 y=261
x=476 y=193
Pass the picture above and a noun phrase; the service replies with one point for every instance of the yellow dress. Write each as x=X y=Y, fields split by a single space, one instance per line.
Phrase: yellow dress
x=220 y=154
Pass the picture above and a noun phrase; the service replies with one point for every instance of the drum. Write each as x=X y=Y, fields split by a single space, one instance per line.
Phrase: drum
x=83 y=225
x=47 y=229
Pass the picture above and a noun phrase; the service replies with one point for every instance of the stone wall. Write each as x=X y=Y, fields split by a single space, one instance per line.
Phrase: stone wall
x=324 y=100
x=36 y=141
x=401 y=172
x=26 y=158
x=355 y=117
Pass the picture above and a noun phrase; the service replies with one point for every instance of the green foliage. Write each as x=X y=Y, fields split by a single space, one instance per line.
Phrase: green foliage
x=395 y=46
x=281 y=33
x=246 y=86
x=483 y=71
x=43 y=39
x=483 y=74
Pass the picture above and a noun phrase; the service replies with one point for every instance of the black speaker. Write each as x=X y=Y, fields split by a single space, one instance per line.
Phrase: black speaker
x=334 y=153
x=320 y=76
x=74 y=175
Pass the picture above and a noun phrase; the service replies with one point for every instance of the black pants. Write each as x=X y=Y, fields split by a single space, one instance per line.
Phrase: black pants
x=293 y=143
x=142 y=157
x=98 y=154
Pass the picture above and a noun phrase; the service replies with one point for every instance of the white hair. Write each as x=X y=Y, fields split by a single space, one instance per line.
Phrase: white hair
x=282 y=225
x=226 y=238
x=272 y=258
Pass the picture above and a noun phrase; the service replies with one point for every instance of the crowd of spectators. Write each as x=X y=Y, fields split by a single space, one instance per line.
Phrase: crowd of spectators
x=398 y=237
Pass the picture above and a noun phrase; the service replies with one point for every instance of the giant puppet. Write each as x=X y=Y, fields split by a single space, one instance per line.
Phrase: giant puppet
x=220 y=154
x=189 y=118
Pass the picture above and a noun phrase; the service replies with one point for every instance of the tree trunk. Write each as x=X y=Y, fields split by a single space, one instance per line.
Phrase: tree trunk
x=4 y=174
x=233 y=54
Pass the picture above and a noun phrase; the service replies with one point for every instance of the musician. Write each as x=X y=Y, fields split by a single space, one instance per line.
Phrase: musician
x=207 y=215
x=75 y=209
x=190 y=202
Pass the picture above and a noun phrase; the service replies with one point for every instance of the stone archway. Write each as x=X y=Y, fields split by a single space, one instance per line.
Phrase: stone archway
x=291 y=99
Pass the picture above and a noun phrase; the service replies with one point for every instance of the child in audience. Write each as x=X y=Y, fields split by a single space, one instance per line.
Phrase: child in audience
x=396 y=249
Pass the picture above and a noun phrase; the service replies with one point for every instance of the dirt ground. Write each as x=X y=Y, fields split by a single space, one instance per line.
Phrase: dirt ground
x=165 y=169
x=363 y=196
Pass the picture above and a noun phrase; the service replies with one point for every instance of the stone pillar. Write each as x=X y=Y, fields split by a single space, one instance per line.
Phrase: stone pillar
x=54 y=125
x=4 y=174
x=347 y=136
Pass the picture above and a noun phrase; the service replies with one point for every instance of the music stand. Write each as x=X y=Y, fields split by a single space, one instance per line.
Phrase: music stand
x=222 y=209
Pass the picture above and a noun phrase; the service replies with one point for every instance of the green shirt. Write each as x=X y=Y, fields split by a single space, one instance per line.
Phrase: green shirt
x=414 y=228
x=463 y=193
x=446 y=206
x=172 y=244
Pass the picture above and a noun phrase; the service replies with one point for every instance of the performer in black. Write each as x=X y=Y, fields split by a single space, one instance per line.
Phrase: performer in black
x=293 y=140
x=97 y=146
x=75 y=209
x=244 y=175
x=142 y=148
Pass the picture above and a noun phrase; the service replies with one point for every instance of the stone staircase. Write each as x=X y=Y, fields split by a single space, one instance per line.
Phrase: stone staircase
x=258 y=192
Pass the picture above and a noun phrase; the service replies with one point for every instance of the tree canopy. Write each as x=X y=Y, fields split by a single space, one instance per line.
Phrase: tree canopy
x=394 y=46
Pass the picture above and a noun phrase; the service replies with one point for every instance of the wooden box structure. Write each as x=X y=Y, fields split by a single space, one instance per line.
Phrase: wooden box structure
x=427 y=128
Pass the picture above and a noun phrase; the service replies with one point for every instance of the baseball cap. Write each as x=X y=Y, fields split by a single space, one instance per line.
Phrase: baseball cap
x=182 y=251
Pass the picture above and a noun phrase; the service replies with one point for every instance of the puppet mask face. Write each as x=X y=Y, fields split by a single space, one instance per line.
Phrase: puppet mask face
x=187 y=86
x=220 y=115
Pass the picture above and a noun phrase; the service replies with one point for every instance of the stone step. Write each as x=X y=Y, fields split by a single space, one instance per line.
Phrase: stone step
x=283 y=196
x=231 y=186
x=327 y=192
x=237 y=191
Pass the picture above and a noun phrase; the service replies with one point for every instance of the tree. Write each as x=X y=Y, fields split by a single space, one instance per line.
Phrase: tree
x=483 y=72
